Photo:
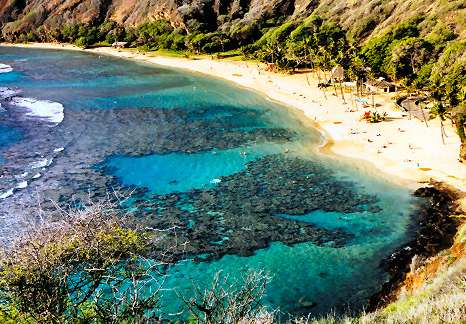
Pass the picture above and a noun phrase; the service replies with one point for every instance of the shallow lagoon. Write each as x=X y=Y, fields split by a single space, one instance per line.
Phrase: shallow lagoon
x=238 y=173
x=8 y=136
x=165 y=173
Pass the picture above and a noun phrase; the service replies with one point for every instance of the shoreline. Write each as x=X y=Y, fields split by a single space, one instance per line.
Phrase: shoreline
x=404 y=151
x=435 y=229
x=330 y=116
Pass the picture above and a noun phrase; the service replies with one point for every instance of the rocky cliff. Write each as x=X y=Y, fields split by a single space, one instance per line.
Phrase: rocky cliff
x=360 y=17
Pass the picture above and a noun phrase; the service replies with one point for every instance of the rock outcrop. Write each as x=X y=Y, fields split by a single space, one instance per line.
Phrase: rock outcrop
x=360 y=18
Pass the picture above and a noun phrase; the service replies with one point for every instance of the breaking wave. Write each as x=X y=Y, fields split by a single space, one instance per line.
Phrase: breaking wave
x=5 y=68
x=43 y=109
x=47 y=111
x=7 y=93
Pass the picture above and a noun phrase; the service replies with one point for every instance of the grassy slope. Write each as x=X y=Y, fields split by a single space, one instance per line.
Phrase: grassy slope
x=435 y=291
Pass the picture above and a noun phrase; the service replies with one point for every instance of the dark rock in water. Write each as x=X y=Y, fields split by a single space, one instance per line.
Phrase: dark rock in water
x=434 y=229
x=91 y=136
x=239 y=211
x=235 y=217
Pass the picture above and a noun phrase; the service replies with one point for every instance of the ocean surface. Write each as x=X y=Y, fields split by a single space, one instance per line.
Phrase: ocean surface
x=238 y=176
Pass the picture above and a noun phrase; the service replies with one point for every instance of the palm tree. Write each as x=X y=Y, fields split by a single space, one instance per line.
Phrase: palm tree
x=326 y=63
x=459 y=119
x=439 y=109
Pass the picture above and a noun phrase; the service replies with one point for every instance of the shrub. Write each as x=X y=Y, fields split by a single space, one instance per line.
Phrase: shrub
x=88 y=266
x=208 y=43
x=244 y=34
x=363 y=28
x=451 y=65
x=374 y=117
x=149 y=33
x=441 y=34
x=222 y=304
x=82 y=42
x=406 y=58
x=377 y=51
x=295 y=44
x=58 y=270
x=69 y=33
x=277 y=34
x=177 y=41
x=423 y=76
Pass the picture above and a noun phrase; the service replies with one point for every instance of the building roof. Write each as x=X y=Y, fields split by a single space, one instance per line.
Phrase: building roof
x=380 y=84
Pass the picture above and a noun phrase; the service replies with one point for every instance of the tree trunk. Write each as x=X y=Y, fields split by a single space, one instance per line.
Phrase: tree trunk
x=341 y=90
x=442 y=131
x=463 y=152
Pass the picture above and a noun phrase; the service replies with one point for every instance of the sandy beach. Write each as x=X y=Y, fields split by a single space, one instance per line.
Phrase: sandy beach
x=405 y=150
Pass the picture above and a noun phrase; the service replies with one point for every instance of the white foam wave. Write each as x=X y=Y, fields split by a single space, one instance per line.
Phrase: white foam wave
x=39 y=164
x=49 y=110
x=10 y=192
x=6 y=93
x=22 y=175
x=37 y=176
x=22 y=185
x=7 y=194
x=57 y=150
x=4 y=68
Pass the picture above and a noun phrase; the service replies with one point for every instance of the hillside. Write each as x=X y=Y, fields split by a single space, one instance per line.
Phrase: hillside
x=360 y=18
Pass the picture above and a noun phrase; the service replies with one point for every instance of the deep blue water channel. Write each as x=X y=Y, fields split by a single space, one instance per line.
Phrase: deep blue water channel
x=239 y=175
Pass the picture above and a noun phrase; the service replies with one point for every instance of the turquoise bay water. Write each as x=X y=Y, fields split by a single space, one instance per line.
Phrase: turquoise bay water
x=8 y=136
x=238 y=174
x=307 y=273
x=165 y=173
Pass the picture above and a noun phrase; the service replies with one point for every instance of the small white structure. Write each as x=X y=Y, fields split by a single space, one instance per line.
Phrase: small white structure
x=119 y=44
x=380 y=84
x=350 y=84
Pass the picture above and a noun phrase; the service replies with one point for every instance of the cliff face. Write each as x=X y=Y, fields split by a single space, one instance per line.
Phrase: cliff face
x=211 y=14
x=359 y=17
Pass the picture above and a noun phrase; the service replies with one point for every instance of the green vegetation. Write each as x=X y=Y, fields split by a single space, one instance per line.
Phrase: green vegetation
x=311 y=42
x=403 y=54
x=57 y=271
x=88 y=266
x=374 y=117
x=62 y=271
x=419 y=53
x=439 y=300
x=155 y=35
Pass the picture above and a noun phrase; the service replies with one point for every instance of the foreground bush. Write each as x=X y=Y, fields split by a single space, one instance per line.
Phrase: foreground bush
x=89 y=266
x=57 y=270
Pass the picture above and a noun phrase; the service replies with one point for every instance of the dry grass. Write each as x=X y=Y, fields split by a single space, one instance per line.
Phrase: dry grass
x=440 y=300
